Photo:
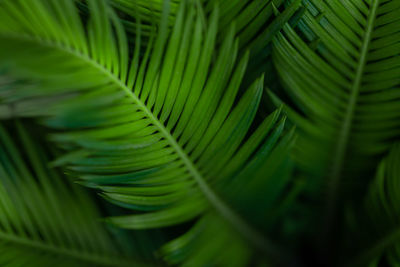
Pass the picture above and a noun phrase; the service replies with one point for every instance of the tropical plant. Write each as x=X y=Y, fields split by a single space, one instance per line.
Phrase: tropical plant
x=148 y=140
x=163 y=108
x=340 y=68
x=46 y=220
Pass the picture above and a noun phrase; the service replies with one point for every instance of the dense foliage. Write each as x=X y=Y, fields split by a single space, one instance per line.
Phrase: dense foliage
x=199 y=132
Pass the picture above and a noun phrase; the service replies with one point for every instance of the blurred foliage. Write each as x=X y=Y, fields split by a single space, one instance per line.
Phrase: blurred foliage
x=199 y=132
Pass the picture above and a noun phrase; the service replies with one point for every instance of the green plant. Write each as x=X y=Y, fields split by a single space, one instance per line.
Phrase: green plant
x=164 y=109
x=46 y=220
x=347 y=94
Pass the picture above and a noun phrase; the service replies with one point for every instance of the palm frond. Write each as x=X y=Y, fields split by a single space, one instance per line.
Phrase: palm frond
x=149 y=140
x=256 y=22
x=340 y=66
x=44 y=219
x=248 y=193
x=153 y=106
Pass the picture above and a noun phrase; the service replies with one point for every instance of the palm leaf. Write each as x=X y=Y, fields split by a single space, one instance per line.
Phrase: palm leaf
x=149 y=140
x=340 y=67
x=256 y=192
x=45 y=220
x=256 y=22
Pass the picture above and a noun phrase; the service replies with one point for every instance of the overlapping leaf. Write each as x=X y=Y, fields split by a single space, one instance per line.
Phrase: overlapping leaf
x=256 y=192
x=156 y=132
x=340 y=67
x=44 y=219
x=256 y=22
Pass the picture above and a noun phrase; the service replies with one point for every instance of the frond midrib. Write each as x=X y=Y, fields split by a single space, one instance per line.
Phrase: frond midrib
x=345 y=130
x=252 y=235
x=66 y=252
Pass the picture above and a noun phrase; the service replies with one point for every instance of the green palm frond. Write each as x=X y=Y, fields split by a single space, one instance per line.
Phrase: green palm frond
x=248 y=193
x=256 y=22
x=142 y=16
x=380 y=220
x=44 y=219
x=340 y=66
x=161 y=108
x=160 y=133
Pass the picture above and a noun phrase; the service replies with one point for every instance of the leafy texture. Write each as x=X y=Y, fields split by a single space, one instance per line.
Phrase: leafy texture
x=340 y=67
x=45 y=220
x=158 y=133
x=249 y=188
x=256 y=22
x=160 y=108
x=145 y=121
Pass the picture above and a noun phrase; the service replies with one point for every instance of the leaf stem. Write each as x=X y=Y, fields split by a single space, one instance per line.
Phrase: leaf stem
x=253 y=236
x=344 y=134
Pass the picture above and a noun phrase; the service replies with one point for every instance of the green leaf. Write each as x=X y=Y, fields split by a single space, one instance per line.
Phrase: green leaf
x=45 y=220
x=148 y=140
x=340 y=68
x=256 y=193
